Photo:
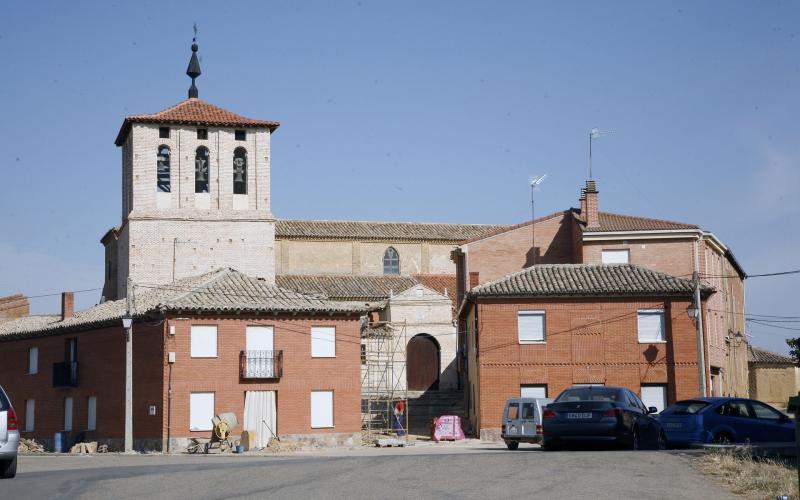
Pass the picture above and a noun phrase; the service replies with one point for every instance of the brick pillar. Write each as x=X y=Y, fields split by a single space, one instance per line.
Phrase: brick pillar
x=592 y=215
x=582 y=201
x=67 y=305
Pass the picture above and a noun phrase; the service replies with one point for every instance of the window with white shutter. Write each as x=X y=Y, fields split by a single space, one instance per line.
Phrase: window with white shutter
x=655 y=395
x=201 y=411
x=615 y=257
x=204 y=341
x=321 y=409
x=91 y=413
x=323 y=342
x=533 y=391
x=33 y=360
x=531 y=326
x=651 y=325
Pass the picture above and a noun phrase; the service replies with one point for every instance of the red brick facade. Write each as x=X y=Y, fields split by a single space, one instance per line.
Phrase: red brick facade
x=101 y=373
x=589 y=340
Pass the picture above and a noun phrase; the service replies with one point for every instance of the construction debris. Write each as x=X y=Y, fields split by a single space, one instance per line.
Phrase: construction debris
x=82 y=448
x=30 y=446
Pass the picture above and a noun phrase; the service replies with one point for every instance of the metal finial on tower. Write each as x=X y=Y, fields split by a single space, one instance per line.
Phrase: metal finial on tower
x=194 y=66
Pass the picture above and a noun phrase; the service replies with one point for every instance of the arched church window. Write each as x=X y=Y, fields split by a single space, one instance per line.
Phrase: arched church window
x=162 y=169
x=201 y=170
x=239 y=171
x=391 y=261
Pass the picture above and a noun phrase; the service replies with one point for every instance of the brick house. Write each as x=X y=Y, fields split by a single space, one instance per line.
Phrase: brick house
x=218 y=342
x=539 y=331
x=774 y=378
x=586 y=235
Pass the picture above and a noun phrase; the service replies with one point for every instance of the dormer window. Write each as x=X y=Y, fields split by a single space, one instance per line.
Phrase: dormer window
x=240 y=171
x=163 y=132
x=240 y=135
x=162 y=170
x=201 y=170
x=202 y=134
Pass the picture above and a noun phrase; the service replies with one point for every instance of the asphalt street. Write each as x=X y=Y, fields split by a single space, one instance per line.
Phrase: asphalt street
x=419 y=472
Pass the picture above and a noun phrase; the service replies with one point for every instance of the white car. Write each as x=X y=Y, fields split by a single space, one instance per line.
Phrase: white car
x=9 y=437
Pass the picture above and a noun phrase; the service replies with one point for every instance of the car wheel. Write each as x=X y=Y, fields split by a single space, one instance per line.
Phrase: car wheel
x=634 y=442
x=8 y=469
x=722 y=438
x=512 y=445
x=662 y=441
x=549 y=446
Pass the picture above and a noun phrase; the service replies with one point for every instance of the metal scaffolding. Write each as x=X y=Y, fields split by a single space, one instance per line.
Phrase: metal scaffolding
x=383 y=384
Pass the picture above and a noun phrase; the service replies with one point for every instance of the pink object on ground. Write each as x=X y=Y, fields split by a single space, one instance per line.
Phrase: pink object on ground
x=447 y=427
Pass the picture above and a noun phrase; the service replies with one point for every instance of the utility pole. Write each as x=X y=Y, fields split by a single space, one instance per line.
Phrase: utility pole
x=701 y=352
x=127 y=322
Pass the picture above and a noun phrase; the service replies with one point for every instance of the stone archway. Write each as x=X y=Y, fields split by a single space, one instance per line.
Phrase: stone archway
x=423 y=356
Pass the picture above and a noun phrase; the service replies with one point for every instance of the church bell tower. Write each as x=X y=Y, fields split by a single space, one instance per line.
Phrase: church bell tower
x=195 y=195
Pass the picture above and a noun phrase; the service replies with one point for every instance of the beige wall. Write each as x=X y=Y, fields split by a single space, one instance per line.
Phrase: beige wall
x=298 y=256
x=774 y=384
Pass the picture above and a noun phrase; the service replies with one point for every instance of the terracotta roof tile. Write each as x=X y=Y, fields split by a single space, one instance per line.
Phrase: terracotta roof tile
x=376 y=230
x=222 y=290
x=194 y=112
x=758 y=355
x=346 y=287
x=584 y=279
x=617 y=222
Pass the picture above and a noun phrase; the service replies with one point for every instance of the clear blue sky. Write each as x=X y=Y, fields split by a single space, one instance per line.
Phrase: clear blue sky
x=419 y=111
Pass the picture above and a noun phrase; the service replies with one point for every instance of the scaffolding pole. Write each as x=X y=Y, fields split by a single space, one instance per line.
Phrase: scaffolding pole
x=383 y=382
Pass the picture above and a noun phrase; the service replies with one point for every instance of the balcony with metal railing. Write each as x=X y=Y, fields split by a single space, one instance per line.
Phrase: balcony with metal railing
x=65 y=374
x=261 y=364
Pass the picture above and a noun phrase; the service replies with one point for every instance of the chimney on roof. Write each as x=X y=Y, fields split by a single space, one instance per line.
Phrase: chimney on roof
x=592 y=213
x=474 y=280
x=67 y=305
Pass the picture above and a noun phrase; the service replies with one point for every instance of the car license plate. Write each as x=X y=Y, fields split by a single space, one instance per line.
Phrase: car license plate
x=673 y=425
x=579 y=415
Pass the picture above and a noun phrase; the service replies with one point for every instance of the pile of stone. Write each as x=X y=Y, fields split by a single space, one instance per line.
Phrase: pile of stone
x=30 y=446
x=88 y=448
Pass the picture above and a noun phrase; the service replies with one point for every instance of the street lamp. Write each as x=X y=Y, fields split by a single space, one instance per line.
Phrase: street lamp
x=692 y=311
x=127 y=322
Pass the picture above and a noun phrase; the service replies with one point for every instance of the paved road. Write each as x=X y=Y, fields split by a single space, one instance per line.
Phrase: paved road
x=433 y=471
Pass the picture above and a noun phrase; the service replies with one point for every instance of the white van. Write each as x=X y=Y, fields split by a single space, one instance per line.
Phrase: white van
x=522 y=421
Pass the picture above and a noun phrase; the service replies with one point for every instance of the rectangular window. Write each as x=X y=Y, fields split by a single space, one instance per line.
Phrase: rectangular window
x=201 y=411
x=323 y=342
x=533 y=391
x=204 y=341
x=202 y=134
x=531 y=326
x=615 y=256
x=163 y=132
x=91 y=413
x=321 y=409
x=33 y=360
x=651 y=325
x=240 y=135
x=30 y=414
x=67 y=414
x=655 y=395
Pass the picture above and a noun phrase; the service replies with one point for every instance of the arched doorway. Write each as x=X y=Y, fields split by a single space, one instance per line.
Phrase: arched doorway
x=422 y=363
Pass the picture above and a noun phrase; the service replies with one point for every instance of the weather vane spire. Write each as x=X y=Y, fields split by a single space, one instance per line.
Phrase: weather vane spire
x=194 y=66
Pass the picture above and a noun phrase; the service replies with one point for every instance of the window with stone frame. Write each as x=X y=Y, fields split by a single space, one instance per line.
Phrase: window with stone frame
x=202 y=170
x=240 y=171
x=162 y=169
x=391 y=261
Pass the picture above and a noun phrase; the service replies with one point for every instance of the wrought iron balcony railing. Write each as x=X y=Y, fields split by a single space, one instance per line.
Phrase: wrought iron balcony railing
x=261 y=364
x=65 y=374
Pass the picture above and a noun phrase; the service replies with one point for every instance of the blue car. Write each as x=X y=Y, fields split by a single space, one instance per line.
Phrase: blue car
x=723 y=421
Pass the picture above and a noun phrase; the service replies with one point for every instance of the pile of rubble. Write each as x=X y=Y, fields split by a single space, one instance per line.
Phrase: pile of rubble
x=88 y=448
x=30 y=446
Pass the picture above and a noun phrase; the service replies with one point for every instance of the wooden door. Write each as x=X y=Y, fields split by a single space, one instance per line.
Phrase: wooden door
x=422 y=364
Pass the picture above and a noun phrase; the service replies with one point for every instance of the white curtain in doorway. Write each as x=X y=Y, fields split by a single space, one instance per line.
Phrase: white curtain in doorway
x=260 y=416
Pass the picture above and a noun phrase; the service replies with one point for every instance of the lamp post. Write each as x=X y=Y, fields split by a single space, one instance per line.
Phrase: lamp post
x=127 y=323
x=535 y=181
x=695 y=311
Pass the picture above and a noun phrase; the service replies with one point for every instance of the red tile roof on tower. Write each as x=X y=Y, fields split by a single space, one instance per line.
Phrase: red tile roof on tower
x=194 y=112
